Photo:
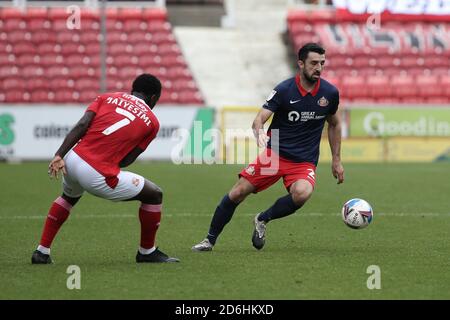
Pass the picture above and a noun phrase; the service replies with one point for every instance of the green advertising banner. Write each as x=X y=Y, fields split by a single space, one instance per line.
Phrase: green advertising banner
x=390 y=122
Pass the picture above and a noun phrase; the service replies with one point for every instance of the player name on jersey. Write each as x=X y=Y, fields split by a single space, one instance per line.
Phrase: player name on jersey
x=136 y=107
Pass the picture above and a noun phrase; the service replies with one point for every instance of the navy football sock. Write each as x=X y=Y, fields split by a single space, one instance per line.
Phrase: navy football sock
x=284 y=206
x=223 y=214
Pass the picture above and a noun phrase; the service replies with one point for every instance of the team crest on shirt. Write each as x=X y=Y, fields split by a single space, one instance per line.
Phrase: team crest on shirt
x=271 y=95
x=135 y=181
x=250 y=170
x=323 y=102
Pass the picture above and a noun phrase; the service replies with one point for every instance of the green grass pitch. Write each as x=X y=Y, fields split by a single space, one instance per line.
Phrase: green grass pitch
x=309 y=255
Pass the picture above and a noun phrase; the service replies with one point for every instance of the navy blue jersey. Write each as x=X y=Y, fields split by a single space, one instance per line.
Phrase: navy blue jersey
x=300 y=116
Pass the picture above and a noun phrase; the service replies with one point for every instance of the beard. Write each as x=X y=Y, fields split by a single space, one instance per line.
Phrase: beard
x=309 y=78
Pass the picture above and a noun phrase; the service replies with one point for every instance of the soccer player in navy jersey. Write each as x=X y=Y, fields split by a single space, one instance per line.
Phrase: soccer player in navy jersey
x=300 y=106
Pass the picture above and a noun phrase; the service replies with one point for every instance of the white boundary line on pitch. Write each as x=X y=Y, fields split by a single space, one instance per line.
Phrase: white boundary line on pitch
x=187 y=214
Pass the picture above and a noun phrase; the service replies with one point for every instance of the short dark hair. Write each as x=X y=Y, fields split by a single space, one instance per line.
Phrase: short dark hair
x=309 y=47
x=147 y=84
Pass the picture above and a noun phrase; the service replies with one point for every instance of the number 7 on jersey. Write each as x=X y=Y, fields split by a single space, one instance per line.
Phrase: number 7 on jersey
x=119 y=124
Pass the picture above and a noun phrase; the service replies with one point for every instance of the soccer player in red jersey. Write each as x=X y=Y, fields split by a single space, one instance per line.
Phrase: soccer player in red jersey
x=115 y=129
x=300 y=107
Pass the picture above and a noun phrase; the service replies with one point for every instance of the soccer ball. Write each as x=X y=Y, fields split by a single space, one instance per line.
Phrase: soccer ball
x=357 y=213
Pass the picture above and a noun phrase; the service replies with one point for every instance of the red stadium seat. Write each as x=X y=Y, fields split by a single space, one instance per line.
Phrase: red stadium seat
x=183 y=84
x=57 y=71
x=156 y=26
x=58 y=13
x=125 y=60
x=154 y=14
x=43 y=37
x=354 y=87
x=379 y=86
x=24 y=48
x=46 y=48
x=39 y=25
x=92 y=49
x=51 y=62
x=88 y=37
x=114 y=25
x=88 y=96
x=31 y=71
x=163 y=37
x=130 y=13
x=144 y=49
x=6 y=58
x=88 y=83
x=439 y=100
x=68 y=36
x=33 y=84
x=64 y=96
x=27 y=59
x=83 y=71
x=60 y=83
x=50 y=59
x=178 y=72
x=169 y=48
x=134 y=25
x=445 y=85
x=15 y=96
x=190 y=97
x=8 y=71
x=14 y=24
x=18 y=36
x=13 y=83
x=40 y=96
x=75 y=60
x=36 y=13
x=429 y=86
x=403 y=87
x=114 y=85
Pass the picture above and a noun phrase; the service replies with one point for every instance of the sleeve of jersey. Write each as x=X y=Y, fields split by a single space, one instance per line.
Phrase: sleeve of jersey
x=335 y=105
x=95 y=105
x=146 y=141
x=273 y=101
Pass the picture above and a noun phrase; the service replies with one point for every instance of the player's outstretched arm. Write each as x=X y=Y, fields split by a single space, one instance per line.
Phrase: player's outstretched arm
x=258 y=126
x=78 y=131
x=130 y=157
x=334 y=138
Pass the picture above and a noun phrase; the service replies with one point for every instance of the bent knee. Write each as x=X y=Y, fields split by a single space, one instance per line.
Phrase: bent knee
x=158 y=194
x=300 y=196
x=238 y=194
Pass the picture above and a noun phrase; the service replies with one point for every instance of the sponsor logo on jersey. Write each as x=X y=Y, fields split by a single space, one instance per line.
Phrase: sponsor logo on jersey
x=293 y=116
x=323 y=102
x=303 y=116
x=250 y=170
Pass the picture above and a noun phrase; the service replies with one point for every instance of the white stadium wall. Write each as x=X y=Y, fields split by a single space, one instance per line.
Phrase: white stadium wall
x=36 y=132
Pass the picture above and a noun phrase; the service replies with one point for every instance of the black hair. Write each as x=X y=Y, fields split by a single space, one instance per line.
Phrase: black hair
x=147 y=84
x=307 y=48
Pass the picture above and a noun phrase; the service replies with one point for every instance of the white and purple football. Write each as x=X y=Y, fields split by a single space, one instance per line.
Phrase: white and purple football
x=357 y=213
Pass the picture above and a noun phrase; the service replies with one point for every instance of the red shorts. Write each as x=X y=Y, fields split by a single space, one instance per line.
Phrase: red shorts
x=270 y=167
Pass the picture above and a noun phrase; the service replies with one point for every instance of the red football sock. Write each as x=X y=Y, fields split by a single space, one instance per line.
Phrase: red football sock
x=150 y=216
x=58 y=213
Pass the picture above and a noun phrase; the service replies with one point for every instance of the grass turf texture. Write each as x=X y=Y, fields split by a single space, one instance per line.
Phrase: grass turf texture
x=309 y=255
